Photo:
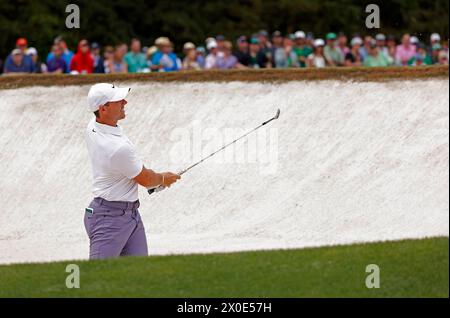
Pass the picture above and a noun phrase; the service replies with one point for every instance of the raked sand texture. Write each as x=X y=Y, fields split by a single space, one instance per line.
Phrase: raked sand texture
x=346 y=162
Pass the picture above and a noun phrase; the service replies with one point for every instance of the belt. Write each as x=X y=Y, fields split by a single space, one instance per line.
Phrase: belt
x=122 y=205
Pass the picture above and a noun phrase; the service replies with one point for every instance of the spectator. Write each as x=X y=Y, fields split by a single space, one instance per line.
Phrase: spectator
x=257 y=57
x=405 y=51
x=220 y=39
x=443 y=58
x=266 y=46
x=283 y=53
x=57 y=63
x=227 y=60
x=99 y=63
x=375 y=57
x=201 y=56
x=277 y=43
x=16 y=63
x=135 y=59
x=22 y=45
x=380 y=39
x=436 y=50
x=67 y=54
x=190 y=60
x=108 y=57
x=332 y=52
x=301 y=49
x=39 y=67
x=82 y=62
x=435 y=38
x=364 y=51
x=211 y=58
x=116 y=63
x=164 y=60
x=342 y=43
x=150 y=52
x=241 y=53
x=317 y=58
x=391 y=45
x=353 y=57
x=421 y=57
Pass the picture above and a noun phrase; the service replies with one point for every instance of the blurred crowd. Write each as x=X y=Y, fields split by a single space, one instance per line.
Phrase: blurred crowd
x=261 y=50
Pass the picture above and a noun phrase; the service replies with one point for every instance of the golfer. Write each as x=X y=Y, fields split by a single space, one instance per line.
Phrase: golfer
x=112 y=220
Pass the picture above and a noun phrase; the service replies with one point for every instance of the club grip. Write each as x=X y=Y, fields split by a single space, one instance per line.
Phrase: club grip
x=157 y=189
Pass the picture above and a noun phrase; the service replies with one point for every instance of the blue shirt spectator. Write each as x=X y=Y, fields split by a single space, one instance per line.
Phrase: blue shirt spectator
x=67 y=54
x=17 y=62
x=168 y=62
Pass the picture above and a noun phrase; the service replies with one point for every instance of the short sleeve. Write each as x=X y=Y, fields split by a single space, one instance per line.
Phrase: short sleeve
x=126 y=161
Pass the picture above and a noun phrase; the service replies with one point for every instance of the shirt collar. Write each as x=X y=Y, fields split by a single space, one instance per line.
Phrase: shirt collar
x=107 y=129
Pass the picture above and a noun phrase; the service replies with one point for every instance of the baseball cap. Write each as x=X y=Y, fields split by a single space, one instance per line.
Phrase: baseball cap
x=380 y=37
x=254 y=40
x=331 y=36
x=220 y=38
x=32 y=51
x=102 y=93
x=211 y=45
x=21 y=42
x=435 y=37
x=356 y=40
x=242 y=39
x=162 y=40
x=319 y=42
x=276 y=34
x=95 y=45
x=299 y=35
x=16 y=52
x=188 y=46
x=414 y=40
x=263 y=33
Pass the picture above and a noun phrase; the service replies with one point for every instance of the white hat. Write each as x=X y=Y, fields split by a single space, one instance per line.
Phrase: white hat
x=356 y=40
x=102 y=93
x=32 y=51
x=188 y=46
x=380 y=37
x=414 y=40
x=319 y=42
x=16 y=52
x=299 y=35
x=435 y=37
x=211 y=45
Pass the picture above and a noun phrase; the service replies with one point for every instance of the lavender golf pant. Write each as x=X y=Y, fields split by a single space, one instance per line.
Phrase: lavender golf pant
x=115 y=229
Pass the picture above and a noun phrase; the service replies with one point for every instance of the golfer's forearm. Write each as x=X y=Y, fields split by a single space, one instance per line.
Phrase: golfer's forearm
x=148 y=178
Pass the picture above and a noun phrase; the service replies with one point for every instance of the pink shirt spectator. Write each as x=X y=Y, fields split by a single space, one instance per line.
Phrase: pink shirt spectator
x=404 y=54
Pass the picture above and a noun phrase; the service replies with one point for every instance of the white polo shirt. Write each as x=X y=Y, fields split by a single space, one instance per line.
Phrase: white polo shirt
x=114 y=162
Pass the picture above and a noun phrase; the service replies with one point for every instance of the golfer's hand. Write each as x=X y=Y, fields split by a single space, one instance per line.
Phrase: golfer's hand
x=169 y=178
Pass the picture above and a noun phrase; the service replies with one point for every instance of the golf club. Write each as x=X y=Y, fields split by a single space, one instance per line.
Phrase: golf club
x=159 y=188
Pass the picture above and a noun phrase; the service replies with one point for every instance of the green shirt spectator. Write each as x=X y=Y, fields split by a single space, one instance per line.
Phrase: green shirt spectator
x=135 y=60
x=374 y=60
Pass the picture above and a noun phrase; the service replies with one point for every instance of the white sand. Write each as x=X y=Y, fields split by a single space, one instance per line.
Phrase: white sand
x=348 y=162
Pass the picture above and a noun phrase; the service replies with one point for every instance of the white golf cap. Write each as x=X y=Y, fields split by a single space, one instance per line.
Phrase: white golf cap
x=211 y=45
x=299 y=35
x=32 y=51
x=319 y=42
x=435 y=37
x=102 y=93
x=356 y=40
x=414 y=40
x=380 y=37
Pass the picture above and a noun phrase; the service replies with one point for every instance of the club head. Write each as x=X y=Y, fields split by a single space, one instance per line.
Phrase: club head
x=277 y=114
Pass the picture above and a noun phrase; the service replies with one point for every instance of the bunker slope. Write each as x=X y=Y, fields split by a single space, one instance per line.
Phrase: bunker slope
x=346 y=162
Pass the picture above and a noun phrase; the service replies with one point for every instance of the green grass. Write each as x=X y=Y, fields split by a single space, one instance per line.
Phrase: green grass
x=410 y=268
